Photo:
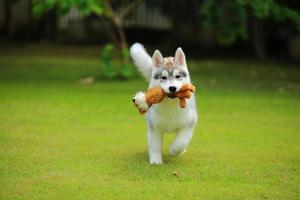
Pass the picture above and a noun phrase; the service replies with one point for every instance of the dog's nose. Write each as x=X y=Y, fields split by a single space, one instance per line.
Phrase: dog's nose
x=172 y=89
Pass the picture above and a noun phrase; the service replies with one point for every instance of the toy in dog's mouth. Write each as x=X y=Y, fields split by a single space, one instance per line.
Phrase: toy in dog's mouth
x=143 y=101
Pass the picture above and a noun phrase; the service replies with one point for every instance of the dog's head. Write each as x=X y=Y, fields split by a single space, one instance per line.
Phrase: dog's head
x=170 y=73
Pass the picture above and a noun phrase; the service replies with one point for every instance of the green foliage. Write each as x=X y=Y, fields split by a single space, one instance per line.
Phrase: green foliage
x=228 y=18
x=86 y=7
x=110 y=69
x=126 y=69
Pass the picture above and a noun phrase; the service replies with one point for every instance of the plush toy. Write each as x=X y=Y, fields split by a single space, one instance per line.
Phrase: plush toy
x=143 y=101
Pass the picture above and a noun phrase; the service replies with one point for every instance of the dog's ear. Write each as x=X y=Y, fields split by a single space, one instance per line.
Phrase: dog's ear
x=157 y=58
x=180 y=57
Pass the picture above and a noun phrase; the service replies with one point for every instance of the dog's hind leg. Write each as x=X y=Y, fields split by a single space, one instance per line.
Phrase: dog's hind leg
x=155 y=143
x=181 y=141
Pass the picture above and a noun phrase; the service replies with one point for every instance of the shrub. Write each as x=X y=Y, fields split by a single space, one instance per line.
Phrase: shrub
x=115 y=70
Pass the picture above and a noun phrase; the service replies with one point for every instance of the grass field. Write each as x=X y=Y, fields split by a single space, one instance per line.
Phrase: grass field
x=62 y=140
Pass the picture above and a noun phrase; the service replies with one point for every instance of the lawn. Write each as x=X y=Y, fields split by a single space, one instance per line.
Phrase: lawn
x=63 y=140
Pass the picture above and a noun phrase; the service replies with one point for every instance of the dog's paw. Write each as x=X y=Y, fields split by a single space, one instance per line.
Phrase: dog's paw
x=140 y=101
x=156 y=162
x=155 y=159
x=183 y=152
x=176 y=152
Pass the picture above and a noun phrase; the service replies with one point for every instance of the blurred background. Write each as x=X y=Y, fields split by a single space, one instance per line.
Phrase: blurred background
x=228 y=28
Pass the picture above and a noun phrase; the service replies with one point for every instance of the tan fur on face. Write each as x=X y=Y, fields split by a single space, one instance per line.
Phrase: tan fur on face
x=168 y=62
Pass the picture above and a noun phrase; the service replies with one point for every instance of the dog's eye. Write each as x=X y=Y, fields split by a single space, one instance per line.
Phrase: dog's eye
x=177 y=76
x=164 y=78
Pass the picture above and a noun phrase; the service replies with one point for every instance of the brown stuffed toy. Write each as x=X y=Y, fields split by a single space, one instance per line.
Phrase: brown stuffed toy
x=143 y=101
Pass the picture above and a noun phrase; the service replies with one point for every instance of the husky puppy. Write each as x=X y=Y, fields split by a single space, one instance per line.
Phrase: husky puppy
x=170 y=74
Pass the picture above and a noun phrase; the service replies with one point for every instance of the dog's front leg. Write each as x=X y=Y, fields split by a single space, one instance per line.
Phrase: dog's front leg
x=155 y=142
x=181 y=141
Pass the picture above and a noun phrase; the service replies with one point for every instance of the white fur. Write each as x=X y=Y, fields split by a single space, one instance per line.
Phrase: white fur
x=141 y=59
x=140 y=100
x=167 y=116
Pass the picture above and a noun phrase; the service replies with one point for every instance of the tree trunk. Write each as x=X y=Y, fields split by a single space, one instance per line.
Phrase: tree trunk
x=118 y=20
x=259 y=40
x=121 y=34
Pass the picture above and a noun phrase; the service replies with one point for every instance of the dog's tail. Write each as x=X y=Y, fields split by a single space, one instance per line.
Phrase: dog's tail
x=142 y=60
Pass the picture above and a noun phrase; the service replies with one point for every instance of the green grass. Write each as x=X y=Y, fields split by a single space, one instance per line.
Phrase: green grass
x=62 y=140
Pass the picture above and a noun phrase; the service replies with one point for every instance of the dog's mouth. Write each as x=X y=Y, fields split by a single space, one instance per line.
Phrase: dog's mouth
x=171 y=95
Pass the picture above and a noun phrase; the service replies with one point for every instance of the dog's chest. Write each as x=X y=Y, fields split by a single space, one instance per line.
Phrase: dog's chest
x=168 y=116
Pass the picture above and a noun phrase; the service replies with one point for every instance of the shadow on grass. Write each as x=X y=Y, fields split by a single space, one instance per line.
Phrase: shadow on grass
x=143 y=157
x=136 y=166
